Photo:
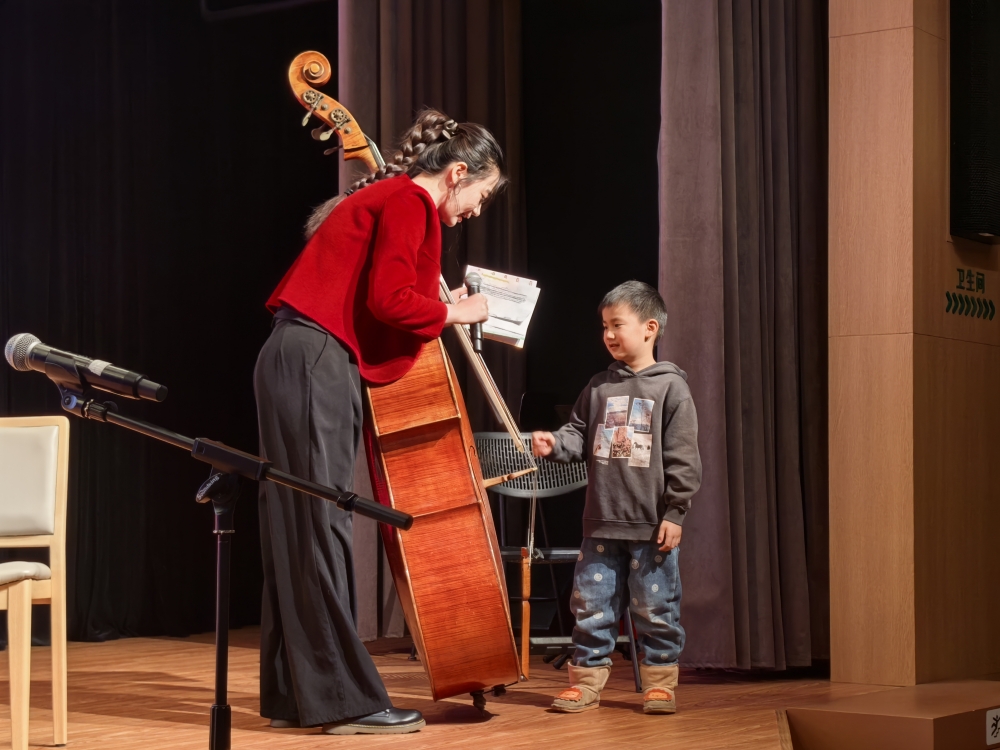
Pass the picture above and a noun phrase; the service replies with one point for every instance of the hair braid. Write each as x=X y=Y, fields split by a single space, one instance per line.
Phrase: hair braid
x=419 y=152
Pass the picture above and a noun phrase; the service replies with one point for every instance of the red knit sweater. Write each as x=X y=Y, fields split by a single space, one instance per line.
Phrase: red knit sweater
x=369 y=276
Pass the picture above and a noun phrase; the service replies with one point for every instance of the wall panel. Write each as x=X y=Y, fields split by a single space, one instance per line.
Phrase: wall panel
x=871 y=509
x=914 y=470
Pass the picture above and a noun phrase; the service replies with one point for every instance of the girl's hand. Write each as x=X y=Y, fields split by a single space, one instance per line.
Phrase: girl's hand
x=542 y=443
x=472 y=309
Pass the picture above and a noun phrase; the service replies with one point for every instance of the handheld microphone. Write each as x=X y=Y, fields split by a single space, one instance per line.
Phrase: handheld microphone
x=25 y=352
x=473 y=282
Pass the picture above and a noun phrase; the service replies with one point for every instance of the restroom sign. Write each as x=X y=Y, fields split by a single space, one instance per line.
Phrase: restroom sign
x=971 y=281
x=993 y=727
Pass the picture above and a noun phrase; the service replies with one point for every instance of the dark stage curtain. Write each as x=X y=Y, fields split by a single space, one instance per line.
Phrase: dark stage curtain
x=154 y=180
x=743 y=270
x=463 y=58
x=591 y=103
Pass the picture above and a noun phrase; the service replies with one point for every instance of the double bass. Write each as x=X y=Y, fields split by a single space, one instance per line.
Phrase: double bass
x=422 y=459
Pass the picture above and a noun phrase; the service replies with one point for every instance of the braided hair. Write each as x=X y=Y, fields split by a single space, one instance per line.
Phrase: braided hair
x=432 y=143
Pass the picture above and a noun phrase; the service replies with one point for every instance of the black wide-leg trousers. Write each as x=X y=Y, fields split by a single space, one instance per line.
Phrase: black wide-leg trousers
x=313 y=667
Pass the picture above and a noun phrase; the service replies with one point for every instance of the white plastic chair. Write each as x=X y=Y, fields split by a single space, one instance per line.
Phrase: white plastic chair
x=34 y=471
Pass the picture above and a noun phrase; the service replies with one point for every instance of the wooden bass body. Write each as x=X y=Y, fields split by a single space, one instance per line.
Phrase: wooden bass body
x=447 y=567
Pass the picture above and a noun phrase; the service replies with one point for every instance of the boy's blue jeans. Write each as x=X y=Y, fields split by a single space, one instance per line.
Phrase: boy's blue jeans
x=609 y=569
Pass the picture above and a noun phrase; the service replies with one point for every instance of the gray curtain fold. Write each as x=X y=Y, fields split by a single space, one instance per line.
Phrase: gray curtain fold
x=462 y=57
x=743 y=271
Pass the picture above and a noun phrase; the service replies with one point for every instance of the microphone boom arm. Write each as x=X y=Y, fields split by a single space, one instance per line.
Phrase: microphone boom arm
x=64 y=371
x=227 y=460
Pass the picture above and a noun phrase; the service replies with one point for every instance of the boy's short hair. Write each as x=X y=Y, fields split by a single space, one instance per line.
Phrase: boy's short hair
x=641 y=299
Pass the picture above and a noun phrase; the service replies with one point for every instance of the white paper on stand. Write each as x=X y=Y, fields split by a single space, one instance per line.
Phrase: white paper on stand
x=512 y=300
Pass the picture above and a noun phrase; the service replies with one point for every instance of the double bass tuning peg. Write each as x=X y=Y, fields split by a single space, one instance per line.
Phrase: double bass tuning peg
x=319 y=134
x=313 y=99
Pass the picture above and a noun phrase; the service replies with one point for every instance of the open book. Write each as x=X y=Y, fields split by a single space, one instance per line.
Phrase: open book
x=512 y=301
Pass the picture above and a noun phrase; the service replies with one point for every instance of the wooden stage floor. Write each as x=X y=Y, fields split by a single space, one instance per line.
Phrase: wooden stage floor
x=156 y=692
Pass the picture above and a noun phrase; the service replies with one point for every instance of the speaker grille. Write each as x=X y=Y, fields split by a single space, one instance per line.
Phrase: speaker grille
x=975 y=120
x=16 y=351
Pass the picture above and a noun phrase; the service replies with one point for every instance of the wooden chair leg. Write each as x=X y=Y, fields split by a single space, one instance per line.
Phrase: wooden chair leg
x=525 y=611
x=60 y=730
x=19 y=650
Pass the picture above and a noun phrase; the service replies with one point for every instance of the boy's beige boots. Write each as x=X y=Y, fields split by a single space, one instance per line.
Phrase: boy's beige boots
x=659 y=684
x=585 y=693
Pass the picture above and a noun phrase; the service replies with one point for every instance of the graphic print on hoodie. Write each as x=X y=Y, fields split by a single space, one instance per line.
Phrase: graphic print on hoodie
x=638 y=432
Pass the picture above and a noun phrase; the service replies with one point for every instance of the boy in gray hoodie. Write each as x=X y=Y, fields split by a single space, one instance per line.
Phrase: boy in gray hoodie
x=636 y=426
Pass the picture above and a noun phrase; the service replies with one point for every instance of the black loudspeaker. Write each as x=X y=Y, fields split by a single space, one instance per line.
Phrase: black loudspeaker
x=975 y=120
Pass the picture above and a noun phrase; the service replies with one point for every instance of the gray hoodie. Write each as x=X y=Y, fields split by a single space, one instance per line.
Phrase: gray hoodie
x=638 y=433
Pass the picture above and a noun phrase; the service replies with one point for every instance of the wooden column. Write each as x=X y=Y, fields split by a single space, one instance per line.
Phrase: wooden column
x=914 y=410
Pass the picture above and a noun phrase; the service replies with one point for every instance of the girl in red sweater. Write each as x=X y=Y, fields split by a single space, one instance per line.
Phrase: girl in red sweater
x=357 y=304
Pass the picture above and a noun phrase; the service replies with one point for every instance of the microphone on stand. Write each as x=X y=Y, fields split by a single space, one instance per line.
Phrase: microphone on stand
x=472 y=283
x=25 y=352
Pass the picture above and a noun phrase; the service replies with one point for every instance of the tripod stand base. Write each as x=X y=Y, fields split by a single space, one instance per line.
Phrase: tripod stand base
x=220 y=734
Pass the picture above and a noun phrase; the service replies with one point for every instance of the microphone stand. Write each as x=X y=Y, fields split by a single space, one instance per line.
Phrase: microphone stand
x=221 y=488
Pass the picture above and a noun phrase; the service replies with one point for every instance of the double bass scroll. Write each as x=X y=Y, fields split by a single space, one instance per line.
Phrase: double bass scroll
x=310 y=69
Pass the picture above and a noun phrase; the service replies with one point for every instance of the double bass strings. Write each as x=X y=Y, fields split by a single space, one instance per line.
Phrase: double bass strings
x=483 y=374
x=500 y=409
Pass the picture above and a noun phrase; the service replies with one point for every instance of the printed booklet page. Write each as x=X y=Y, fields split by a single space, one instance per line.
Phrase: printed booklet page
x=512 y=301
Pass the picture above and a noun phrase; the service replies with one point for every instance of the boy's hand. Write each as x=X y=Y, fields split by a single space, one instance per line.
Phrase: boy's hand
x=669 y=536
x=542 y=443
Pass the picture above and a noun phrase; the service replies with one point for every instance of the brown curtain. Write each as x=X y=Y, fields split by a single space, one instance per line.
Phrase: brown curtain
x=743 y=271
x=462 y=57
